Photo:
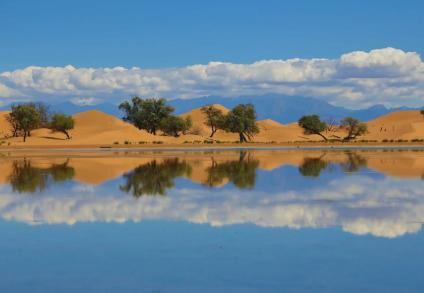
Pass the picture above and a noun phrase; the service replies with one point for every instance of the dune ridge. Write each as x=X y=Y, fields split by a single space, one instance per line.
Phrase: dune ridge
x=97 y=128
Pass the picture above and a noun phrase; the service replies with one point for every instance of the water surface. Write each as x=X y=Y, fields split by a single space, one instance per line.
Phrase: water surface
x=208 y=221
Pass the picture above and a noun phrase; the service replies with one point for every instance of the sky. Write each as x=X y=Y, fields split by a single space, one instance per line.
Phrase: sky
x=349 y=53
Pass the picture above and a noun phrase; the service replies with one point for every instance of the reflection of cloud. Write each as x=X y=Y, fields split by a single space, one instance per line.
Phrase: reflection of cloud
x=360 y=205
x=388 y=76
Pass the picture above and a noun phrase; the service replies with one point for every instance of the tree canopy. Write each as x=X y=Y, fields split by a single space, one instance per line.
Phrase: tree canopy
x=353 y=127
x=242 y=120
x=62 y=123
x=312 y=124
x=174 y=125
x=146 y=114
x=214 y=118
x=24 y=118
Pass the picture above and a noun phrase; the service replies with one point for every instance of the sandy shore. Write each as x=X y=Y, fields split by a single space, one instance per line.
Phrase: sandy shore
x=195 y=146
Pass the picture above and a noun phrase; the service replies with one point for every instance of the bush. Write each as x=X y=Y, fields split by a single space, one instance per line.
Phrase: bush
x=142 y=142
x=157 y=142
x=116 y=142
x=127 y=142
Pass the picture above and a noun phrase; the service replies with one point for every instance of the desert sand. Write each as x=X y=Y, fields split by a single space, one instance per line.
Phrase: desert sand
x=95 y=128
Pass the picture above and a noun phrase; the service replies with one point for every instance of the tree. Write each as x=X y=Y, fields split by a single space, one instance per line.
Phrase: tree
x=146 y=114
x=25 y=118
x=242 y=120
x=62 y=123
x=214 y=118
x=14 y=124
x=353 y=127
x=312 y=124
x=44 y=111
x=173 y=125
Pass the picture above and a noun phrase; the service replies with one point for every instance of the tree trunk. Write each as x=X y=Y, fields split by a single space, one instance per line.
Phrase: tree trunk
x=320 y=134
x=25 y=136
x=242 y=137
x=213 y=132
x=67 y=134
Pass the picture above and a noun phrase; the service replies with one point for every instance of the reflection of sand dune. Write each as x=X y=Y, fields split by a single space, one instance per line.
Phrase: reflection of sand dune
x=96 y=168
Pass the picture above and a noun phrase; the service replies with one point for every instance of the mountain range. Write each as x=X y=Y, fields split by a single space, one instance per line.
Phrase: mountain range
x=284 y=109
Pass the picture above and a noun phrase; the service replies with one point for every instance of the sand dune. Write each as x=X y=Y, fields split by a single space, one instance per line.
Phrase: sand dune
x=397 y=125
x=97 y=128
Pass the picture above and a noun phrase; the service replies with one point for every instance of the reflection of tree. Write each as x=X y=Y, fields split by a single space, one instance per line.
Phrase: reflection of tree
x=354 y=162
x=154 y=178
x=26 y=178
x=312 y=167
x=241 y=173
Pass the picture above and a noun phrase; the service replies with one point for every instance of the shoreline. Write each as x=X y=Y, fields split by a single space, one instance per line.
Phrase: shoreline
x=230 y=146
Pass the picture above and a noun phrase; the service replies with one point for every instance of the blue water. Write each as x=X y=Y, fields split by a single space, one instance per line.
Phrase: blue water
x=335 y=232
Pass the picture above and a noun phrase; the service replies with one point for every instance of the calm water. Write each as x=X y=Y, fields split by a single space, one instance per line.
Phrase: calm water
x=212 y=221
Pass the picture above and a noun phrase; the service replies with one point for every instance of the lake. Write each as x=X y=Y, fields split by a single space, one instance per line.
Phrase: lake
x=212 y=221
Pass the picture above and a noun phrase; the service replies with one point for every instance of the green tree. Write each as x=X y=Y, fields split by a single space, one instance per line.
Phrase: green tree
x=214 y=118
x=146 y=114
x=14 y=124
x=242 y=120
x=174 y=125
x=25 y=118
x=44 y=112
x=353 y=127
x=312 y=124
x=62 y=123
x=154 y=178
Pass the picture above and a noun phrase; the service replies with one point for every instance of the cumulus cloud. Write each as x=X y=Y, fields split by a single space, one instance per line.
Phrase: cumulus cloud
x=358 y=204
x=389 y=76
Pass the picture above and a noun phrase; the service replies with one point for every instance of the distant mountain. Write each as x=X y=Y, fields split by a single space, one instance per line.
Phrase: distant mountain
x=284 y=109
x=71 y=108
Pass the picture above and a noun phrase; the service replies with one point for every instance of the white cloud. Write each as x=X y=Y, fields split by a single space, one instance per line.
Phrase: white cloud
x=357 y=79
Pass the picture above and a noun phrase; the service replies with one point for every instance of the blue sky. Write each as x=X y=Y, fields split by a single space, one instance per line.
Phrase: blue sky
x=177 y=33
x=164 y=34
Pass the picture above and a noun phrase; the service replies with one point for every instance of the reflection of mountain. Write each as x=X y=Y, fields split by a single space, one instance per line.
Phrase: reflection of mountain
x=154 y=178
x=26 y=178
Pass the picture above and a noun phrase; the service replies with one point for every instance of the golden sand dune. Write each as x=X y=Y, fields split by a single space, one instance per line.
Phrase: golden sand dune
x=397 y=125
x=97 y=128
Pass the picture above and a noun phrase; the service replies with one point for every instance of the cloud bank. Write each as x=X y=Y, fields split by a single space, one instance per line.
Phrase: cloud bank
x=358 y=79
